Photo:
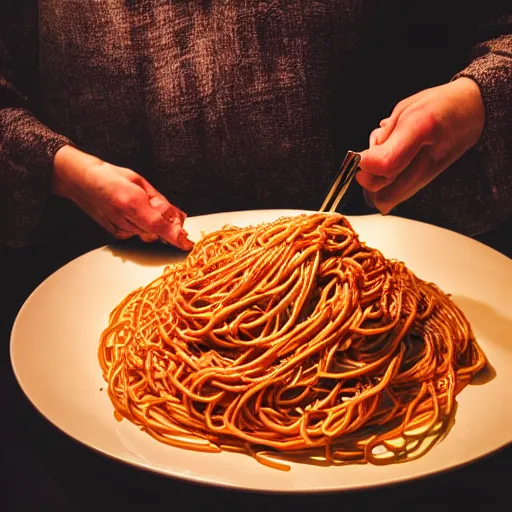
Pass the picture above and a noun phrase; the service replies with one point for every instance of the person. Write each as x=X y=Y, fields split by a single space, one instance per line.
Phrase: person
x=140 y=111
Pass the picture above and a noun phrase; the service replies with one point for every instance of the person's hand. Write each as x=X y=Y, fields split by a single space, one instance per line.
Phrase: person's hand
x=424 y=135
x=118 y=199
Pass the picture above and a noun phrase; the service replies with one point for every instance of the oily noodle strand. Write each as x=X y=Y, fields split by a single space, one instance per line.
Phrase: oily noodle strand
x=289 y=339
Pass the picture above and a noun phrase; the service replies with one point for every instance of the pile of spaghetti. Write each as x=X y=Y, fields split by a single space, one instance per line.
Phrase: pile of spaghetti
x=289 y=339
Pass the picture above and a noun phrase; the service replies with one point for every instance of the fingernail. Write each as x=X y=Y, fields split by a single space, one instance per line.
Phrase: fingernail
x=186 y=244
x=156 y=202
x=387 y=209
x=182 y=239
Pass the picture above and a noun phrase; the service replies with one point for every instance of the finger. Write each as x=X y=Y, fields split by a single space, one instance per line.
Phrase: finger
x=185 y=241
x=166 y=209
x=386 y=128
x=154 y=215
x=146 y=237
x=137 y=230
x=372 y=183
x=124 y=228
x=368 y=198
x=388 y=159
x=158 y=201
x=381 y=134
x=123 y=235
x=402 y=105
x=388 y=124
x=152 y=221
x=374 y=137
x=422 y=170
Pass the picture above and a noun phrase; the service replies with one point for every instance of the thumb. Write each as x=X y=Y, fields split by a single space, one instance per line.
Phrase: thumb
x=176 y=217
x=166 y=209
x=391 y=157
x=159 y=202
x=155 y=216
x=177 y=235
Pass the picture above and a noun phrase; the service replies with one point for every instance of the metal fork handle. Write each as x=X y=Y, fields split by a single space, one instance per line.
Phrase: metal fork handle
x=341 y=182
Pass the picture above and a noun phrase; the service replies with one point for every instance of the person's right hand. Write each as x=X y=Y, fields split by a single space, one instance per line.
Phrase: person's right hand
x=118 y=199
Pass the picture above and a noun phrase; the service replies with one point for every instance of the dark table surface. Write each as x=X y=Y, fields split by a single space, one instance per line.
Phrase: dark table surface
x=42 y=469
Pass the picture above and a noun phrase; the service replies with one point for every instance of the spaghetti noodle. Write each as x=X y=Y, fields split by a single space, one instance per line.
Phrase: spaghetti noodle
x=288 y=339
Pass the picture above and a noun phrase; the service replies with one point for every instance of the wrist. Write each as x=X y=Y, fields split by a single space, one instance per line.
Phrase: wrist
x=472 y=106
x=69 y=165
x=471 y=91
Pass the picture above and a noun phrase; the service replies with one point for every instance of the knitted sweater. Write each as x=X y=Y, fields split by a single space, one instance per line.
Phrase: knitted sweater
x=239 y=104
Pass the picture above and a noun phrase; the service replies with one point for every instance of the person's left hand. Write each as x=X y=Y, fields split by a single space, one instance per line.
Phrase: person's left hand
x=424 y=135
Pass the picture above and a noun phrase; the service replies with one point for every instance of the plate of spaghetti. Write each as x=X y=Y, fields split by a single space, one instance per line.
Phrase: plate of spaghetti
x=289 y=351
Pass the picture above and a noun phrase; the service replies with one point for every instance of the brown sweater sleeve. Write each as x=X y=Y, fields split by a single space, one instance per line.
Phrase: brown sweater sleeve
x=491 y=69
x=474 y=195
x=27 y=148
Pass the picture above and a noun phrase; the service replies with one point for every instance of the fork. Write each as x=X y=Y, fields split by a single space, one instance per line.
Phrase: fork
x=341 y=182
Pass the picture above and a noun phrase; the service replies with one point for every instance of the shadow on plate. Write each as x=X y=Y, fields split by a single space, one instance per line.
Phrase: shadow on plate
x=401 y=449
x=147 y=255
x=489 y=324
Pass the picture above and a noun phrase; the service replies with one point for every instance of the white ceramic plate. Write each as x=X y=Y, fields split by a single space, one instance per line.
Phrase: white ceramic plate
x=55 y=339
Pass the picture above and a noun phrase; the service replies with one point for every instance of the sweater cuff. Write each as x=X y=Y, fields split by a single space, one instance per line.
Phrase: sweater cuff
x=493 y=75
x=27 y=150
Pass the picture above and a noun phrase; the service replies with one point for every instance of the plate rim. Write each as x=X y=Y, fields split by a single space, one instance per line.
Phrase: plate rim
x=203 y=480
